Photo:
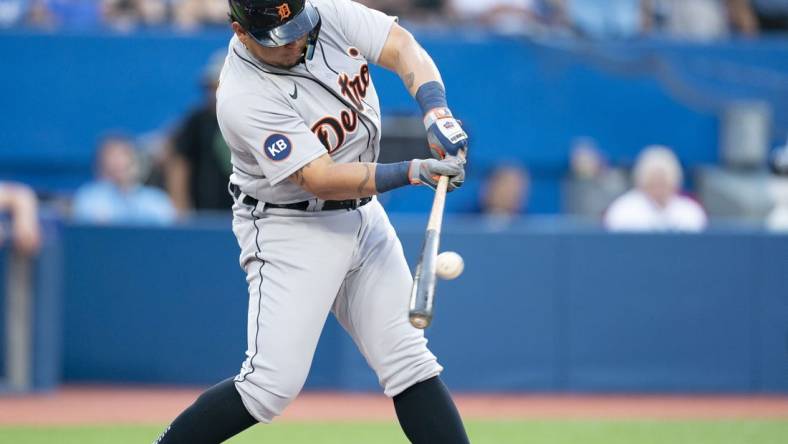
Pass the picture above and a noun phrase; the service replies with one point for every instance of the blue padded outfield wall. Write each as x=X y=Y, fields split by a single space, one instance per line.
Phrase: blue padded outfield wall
x=539 y=308
x=520 y=99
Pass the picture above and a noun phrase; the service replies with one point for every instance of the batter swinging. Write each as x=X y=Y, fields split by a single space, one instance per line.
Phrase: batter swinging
x=298 y=109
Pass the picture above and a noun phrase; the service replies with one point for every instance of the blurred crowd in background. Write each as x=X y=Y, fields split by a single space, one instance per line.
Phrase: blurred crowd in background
x=697 y=19
x=188 y=171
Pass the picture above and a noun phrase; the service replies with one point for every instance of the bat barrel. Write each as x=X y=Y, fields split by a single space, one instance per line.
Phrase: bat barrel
x=420 y=321
x=423 y=290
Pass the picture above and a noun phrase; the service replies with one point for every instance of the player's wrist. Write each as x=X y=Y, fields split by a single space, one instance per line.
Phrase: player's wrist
x=389 y=176
x=431 y=96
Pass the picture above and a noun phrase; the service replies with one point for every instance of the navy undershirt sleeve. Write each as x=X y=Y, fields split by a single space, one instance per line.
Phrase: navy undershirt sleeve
x=431 y=95
x=389 y=176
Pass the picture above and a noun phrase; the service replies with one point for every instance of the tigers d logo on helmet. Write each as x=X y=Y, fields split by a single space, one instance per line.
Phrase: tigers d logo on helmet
x=284 y=11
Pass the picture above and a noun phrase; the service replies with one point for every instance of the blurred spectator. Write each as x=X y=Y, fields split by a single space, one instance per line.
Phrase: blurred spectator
x=13 y=12
x=129 y=14
x=513 y=16
x=117 y=196
x=413 y=10
x=71 y=14
x=39 y=15
x=699 y=19
x=778 y=218
x=655 y=204
x=199 y=167
x=778 y=160
x=422 y=10
x=123 y=15
x=612 y=18
x=742 y=17
x=592 y=185
x=392 y=7
x=190 y=14
x=585 y=160
x=21 y=203
x=505 y=192
x=772 y=14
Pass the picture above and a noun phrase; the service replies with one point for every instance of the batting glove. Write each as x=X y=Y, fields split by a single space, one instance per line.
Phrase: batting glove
x=429 y=171
x=445 y=135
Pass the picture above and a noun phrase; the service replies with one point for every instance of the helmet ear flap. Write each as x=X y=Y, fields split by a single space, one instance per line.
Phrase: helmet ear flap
x=311 y=41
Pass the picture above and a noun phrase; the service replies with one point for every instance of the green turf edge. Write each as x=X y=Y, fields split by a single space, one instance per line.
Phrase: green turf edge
x=481 y=432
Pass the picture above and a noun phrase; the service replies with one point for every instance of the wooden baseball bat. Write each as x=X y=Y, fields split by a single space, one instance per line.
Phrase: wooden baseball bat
x=422 y=293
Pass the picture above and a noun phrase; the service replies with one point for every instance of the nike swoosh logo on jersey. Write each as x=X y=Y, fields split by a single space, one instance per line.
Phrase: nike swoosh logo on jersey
x=294 y=95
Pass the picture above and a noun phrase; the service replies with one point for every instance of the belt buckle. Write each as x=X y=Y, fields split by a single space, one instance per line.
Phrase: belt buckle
x=354 y=204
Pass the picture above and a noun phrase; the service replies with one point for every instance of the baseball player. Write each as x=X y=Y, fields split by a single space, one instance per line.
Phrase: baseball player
x=301 y=116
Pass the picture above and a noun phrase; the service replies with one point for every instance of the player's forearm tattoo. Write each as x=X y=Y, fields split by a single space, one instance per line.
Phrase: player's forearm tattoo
x=409 y=79
x=365 y=181
x=299 y=175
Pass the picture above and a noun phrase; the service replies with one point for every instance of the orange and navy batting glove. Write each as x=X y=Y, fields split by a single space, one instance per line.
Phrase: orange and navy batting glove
x=445 y=135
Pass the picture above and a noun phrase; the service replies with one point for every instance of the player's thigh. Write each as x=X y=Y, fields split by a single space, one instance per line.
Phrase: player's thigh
x=294 y=275
x=373 y=308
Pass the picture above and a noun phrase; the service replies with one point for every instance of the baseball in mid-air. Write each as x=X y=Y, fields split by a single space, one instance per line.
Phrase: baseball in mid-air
x=449 y=265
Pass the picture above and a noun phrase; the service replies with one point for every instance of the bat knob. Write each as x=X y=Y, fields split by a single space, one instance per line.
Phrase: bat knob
x=419 y=321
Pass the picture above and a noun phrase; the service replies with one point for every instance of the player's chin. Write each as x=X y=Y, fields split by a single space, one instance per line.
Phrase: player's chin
x=291 y=62
x=288 y=67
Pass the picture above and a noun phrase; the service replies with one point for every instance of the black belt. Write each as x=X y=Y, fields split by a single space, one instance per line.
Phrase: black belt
x=328 y=205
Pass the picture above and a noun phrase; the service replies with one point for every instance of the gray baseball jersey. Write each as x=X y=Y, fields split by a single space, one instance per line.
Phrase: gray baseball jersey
x=301 y=265
x=276 y=121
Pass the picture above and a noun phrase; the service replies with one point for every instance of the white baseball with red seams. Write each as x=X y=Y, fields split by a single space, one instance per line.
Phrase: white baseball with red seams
x=301 y=265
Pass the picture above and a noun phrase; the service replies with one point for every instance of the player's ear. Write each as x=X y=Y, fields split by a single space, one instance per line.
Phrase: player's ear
x=238 y=30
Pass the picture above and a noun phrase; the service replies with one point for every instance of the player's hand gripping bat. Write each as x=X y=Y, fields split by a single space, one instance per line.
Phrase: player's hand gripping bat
x=422 y=293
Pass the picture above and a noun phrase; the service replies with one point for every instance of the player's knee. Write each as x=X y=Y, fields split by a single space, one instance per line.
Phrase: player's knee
x=395 y=381
x=265 y=399
x=288 y=391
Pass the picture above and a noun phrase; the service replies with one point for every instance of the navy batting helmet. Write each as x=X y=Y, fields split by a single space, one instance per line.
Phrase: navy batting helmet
x=278 y=22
